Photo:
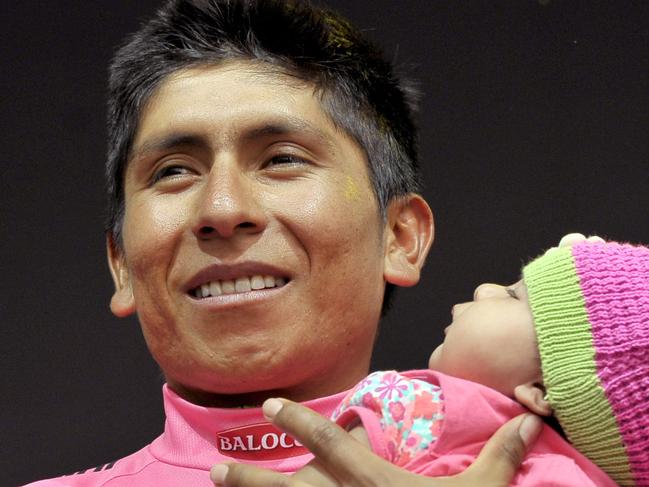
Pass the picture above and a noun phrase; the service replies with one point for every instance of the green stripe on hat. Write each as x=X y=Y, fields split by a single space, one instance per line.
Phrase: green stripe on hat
x=565 y=340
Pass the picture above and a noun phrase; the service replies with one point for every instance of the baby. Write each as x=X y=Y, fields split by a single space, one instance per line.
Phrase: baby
x=571 y=339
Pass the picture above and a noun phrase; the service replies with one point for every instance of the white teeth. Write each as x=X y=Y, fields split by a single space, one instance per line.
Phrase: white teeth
x=240 y=285
x=215 y=288
x=205 y=290
x=228 y=287
x=257 y=282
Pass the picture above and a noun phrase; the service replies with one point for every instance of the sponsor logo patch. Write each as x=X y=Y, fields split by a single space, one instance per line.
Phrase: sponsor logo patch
x=261 y=441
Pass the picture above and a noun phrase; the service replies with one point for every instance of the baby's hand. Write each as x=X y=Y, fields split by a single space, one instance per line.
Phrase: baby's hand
x=575 y=238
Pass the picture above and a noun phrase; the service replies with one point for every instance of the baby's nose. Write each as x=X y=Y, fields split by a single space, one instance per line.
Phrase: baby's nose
x=487 y=290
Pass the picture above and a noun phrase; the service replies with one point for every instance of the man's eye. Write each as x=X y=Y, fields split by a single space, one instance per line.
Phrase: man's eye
x=285 y=159
x=169 y=171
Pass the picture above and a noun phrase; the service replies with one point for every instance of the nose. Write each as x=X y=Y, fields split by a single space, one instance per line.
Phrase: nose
x=228 y=204
x=487 y=290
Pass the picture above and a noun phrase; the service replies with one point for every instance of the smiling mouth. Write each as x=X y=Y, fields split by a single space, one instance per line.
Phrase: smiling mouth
x=237 y=286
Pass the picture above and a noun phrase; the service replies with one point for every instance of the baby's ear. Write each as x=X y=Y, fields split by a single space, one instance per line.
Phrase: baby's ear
x=532 y=396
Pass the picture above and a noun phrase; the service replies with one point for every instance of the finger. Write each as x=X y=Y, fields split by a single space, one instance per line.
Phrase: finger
x=566 y=241
x=342 y=455
x=571 y=239
x=503 y=454
x=240 y=475
x=595 y=239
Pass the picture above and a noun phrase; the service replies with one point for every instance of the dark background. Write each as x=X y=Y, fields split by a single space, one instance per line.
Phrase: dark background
x=534 y=123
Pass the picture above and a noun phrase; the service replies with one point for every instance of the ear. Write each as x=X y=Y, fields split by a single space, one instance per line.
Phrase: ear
x=409 y=234
x=532 y=396
x=122 y=303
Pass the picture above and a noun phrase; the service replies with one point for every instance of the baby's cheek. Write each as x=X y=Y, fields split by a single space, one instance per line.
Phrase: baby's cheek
x=462 y=358
x=435 y=358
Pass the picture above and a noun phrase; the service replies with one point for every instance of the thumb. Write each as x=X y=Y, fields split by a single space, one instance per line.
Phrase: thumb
x=503 y=454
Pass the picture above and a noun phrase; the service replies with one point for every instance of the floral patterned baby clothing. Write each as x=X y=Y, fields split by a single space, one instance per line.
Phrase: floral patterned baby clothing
x=410 y=413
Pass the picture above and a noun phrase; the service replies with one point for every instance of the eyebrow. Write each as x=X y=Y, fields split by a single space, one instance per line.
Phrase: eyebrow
x=286 y=126
x=167 y=142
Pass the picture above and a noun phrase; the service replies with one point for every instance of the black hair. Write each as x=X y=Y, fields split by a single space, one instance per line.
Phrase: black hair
x=358 y=89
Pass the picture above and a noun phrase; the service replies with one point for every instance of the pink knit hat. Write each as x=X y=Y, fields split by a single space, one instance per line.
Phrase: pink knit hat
x=590 y=304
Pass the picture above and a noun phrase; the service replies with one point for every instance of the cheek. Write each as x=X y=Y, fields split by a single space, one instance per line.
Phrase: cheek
x=150 y=230
x=435 y=357
x=463 y=354
x=339 y=237
x=453 y=357
x=331 y=220
x=337 y=201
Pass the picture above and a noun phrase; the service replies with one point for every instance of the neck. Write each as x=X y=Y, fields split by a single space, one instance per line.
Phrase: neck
x=214 y=400
x=256 y=398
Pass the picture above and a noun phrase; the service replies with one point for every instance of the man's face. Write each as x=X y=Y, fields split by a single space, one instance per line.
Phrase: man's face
x=238 y=179
x=491 y=340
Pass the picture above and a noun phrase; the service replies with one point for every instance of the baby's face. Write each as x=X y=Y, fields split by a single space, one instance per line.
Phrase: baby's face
x=491 y=340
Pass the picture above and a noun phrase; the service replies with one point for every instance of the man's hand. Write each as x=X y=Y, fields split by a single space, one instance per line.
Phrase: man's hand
x=351 y=464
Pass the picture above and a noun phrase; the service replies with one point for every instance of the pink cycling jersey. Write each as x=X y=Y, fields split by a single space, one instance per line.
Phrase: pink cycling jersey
x=194 y=439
